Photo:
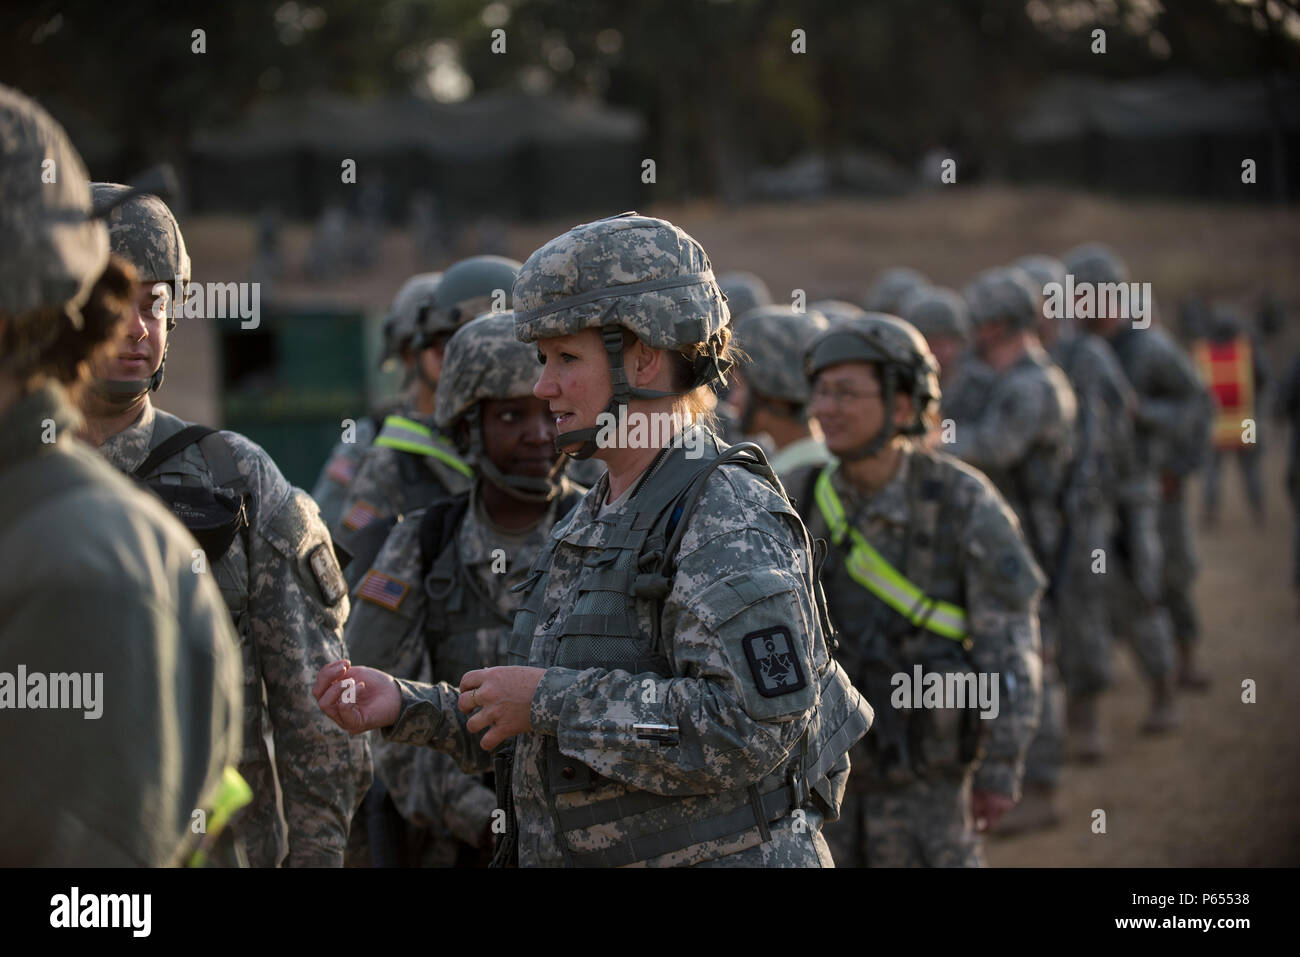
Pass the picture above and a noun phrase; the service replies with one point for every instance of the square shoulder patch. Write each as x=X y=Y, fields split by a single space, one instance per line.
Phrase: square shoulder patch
x=360 y=515
x=773 y=663
x=325 y=569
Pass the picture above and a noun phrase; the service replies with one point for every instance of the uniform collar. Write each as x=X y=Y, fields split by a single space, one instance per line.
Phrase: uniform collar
x=888 y=504
x=130 y=447
x=22 y=427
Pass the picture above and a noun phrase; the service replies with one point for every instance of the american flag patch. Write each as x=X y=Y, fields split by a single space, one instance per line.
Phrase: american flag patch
x=342 y=470
x=383 y=590
x=362 y=514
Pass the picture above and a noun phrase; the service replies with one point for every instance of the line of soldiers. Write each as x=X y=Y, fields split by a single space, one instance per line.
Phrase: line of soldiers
x=1000 y=495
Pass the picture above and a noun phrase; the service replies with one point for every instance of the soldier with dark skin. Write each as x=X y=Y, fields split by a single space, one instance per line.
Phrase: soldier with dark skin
x=439 y=600
x=262 y=542
x=927 y=569
x=678 y=705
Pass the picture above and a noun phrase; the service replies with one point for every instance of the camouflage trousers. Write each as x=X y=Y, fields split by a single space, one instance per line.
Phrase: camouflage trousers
x=1046 y=754
x=1248 y=459
x=1147 y=629
x=920 y=824
x=1179 y=567
x=1084 y=619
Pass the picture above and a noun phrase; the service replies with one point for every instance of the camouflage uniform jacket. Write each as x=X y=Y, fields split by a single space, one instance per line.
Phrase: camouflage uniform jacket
x=1174 y=408
x=392 y=482
x=1022 y=438
x=401 y=631
x=285 y=593
x=98 y=579
x=339 y=470
x=978 y=560
x=744 y=569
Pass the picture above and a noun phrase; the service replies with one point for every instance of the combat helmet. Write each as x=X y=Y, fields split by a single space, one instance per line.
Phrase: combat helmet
x=1043 y=270
x=836 y=310
x=891 y=286
x=402 y=323
x=1006 y=293
x=1095 y=263
x=142 y=230
x=936 y=311
x=629 y=272
x=905 y=363
x=484 y=360
x=467 y=288
x=52 y=250
x=772 y=340
x=744 y=291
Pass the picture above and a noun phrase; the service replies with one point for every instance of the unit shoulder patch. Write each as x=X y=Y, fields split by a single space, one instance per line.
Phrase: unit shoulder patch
x=772 y=662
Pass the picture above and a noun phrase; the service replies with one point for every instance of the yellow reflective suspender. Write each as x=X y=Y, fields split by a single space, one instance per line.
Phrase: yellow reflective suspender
x=406 y=435
x=868 y=568
x=232 y=794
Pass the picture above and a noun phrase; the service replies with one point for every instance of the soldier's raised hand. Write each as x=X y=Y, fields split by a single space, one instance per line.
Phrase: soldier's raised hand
x=357 y=699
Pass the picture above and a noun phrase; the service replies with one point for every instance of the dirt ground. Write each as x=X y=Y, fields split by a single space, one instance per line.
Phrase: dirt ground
x=1225 y=789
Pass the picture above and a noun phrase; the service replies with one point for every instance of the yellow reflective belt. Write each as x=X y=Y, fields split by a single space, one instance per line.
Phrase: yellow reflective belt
x=868 y=568
x=406 y=435
x=232 y=794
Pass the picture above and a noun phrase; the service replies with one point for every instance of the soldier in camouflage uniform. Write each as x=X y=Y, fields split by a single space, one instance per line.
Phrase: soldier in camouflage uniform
x=401 y=328
x=438 y=601
x=1174 y=412
x=1104 y=479
x=744 y=291
x=411 y=463
x=1287 y=407
x=1022 y=437
x=940 y=315
x=680 y=705
x=769 y=389
x=891 y=288
x=264 y=544
x=97 y=574
x=927 y=569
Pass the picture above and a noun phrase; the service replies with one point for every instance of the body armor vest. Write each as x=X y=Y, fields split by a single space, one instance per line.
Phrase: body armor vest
x=602 y=631
x=876 y=642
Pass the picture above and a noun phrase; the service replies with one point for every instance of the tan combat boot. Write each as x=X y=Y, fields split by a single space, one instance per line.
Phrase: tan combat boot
x=1089 y=746
x=1163 y=716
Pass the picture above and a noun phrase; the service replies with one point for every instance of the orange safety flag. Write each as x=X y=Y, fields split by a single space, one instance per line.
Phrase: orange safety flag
x=1229 y=370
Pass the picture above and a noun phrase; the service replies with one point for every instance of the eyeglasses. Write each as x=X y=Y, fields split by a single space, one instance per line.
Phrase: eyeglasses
x=840 y=396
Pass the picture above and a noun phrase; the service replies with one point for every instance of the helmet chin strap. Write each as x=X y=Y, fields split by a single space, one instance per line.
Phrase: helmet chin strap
x=707 y=368
x=122 y=392
x=526 y=488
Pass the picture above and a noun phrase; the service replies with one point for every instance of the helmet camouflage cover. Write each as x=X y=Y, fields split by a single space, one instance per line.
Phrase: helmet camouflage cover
x=772 y=340
x=143 y=231
x=51 y=250
x=936 y=311
x=403 y=320
x=642 y=273
x=744 y=291
x=1006 y=293
x=484 y=360
x=887 y=292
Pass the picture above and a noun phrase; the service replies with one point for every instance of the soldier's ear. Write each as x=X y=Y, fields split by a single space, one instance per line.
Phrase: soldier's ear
x=904 y=410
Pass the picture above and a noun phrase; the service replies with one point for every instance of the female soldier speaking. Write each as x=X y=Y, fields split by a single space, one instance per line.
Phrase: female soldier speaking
x=675 y=702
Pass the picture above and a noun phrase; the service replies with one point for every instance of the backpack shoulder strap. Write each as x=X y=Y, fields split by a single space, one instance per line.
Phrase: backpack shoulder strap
x=438 y=526
x=170 y=446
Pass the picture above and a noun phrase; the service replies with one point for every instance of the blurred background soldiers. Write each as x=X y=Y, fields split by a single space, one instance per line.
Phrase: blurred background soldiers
x=939 y=315
x=928 y=570
x=768 y=386
x=1173 y=419
x=419 y=383
x=263 y=543
x=1287 y=408
x=744 y=291
x=836 y=310
x=891 y=287
x=1022 y=436
x=438 y=601
x=1232 y=367
x=411 y=463
x=98 y=575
